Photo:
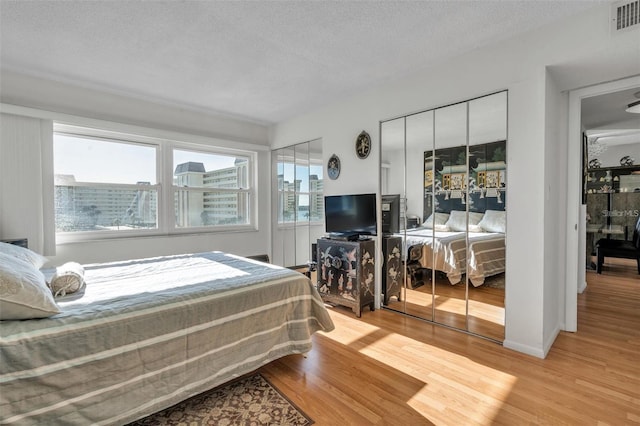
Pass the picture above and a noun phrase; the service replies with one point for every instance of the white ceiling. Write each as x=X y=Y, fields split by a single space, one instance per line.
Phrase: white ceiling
x=262 y=61
x=604 y=117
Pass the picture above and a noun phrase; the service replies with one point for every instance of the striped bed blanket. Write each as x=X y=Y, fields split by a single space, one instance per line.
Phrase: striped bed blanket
x=447 y=252
x=145 y=334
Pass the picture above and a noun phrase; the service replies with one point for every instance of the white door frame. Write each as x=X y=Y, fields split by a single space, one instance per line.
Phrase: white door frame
x=576 y=259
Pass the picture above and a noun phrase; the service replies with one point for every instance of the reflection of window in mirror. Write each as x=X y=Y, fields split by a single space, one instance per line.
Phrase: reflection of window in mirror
x=298 y=202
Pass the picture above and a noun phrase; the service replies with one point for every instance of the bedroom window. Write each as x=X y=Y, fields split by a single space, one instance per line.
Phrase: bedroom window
x=110 y=185
x=210 y=189
x=104 y=185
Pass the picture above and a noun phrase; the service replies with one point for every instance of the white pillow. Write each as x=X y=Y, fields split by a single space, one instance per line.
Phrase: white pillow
x=475 y=218
x=494 y=221
x=23 y=291
x=24 y=254
x=440 y=219
x=458 y=220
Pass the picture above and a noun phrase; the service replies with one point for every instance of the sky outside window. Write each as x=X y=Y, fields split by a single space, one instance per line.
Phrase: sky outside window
x=93 y=160
x=211 y=161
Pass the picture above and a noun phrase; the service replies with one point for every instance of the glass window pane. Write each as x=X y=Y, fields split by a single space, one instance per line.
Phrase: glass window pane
x=201 y=169
x=198 y=208
x=101 y=184
x=86 y=159
x=104 y=208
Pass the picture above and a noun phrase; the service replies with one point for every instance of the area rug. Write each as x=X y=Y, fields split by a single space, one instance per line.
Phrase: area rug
x=496 y=281
x=251 y=400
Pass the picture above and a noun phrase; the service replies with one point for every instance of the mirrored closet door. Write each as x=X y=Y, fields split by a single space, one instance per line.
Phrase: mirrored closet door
x=486 y=251
x=448 y=166
x=446 y=203
x=297 y=203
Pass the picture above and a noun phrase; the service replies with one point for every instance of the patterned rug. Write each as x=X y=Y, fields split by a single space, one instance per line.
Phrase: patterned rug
x=496 y=281
x=250 y=400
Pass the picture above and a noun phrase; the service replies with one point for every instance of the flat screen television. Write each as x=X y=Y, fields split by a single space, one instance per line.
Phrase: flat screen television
x=390 y=206
x=350 y=215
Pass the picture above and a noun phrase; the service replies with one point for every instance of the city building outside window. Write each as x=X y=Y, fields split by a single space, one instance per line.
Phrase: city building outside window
x=210 y=189
x=109 y=185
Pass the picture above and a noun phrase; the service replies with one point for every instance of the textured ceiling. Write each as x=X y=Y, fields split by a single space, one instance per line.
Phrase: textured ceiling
x=263 y=61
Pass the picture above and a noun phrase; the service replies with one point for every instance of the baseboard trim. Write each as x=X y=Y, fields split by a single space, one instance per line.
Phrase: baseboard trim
x=549 y=342
x=533 y=351
x=525 y=349
x=582 y=287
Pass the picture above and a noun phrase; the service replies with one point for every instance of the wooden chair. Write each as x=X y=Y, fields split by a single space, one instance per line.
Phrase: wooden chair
x=619 y=248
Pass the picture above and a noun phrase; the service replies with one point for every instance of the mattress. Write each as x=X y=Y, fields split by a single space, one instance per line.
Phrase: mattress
x=145 y=334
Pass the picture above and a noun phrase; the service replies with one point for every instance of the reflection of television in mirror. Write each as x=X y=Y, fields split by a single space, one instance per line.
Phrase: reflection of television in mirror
x=348 y=216
x=390 y=206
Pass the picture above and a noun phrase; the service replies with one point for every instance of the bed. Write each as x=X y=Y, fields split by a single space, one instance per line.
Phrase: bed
x=145 y=334
x=445 y=251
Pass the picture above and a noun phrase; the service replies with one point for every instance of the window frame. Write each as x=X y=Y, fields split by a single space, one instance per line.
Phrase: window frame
x=250 y=191
x=165 y=210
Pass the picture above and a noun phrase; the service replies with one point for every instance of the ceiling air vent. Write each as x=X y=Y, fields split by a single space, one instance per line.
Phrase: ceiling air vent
x=625 y=15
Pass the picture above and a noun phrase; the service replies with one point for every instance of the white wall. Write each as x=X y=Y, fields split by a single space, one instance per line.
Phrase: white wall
x=519 y=65
x=23 y=162
x=611 y=157
x=53 y=100
x=394 y=159
x=555 y=206
x=27 y=91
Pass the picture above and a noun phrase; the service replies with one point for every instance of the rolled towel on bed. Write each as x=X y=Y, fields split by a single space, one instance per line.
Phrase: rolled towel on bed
x=67 y=279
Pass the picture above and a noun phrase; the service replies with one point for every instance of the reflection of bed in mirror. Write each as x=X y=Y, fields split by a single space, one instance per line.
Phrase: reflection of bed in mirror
x=441 y=244
x=486 y=253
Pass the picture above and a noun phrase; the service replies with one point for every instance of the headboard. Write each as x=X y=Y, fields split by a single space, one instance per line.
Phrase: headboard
x=463 y=178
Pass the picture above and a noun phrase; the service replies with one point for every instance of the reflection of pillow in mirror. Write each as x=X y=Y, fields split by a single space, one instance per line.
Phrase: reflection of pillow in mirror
x=440 y=219
x=475 y=218
x=458 y=221
x=494 y=221
x=475 y=228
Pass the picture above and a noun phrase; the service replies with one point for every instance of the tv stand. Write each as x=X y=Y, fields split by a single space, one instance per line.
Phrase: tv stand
x=346 y=273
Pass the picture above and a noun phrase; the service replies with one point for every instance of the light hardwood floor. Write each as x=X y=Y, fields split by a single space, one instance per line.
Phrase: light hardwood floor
x=387 y=369
x=486 y=306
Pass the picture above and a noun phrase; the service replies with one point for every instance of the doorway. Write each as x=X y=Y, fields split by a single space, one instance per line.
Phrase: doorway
x=599 y=123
